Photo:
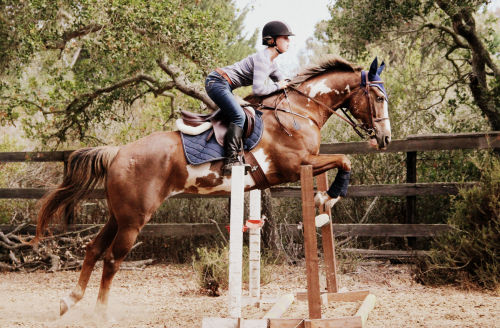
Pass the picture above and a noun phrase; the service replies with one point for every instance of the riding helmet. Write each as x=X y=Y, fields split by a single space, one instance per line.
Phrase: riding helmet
x=273 y=29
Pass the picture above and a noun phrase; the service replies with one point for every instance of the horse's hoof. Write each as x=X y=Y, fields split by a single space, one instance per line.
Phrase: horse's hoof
x=331 y=201
x=63 y=307
x=320 y=198
x=323 y=199
x=66 y=303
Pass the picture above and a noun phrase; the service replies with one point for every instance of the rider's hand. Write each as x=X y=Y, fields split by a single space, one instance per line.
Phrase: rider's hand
x=283 y=83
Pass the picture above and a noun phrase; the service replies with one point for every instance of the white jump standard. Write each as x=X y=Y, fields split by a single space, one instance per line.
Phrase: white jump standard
x=314 y=296
x=236 y=239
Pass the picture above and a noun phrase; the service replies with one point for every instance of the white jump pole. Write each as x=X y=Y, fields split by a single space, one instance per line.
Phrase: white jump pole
x=254 y=247
x=236 y=239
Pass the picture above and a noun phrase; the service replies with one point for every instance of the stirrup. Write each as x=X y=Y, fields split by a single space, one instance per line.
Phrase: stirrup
x=226 y=168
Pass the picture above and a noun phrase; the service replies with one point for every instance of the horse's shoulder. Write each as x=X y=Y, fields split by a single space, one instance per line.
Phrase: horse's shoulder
x=253 y=99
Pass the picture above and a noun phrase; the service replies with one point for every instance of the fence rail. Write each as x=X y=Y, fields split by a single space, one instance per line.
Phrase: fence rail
x=412 y=143
x=411 y=189
x=403 y=189
x=417 y=143
x=203 y=229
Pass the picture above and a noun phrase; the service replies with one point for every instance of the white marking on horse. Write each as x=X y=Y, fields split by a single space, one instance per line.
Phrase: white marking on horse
x=262 y=158
x=203 y=171
x=347 y=89
x=318 y=88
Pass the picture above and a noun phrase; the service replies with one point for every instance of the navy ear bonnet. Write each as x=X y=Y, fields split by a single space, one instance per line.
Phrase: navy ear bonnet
x=374 y=75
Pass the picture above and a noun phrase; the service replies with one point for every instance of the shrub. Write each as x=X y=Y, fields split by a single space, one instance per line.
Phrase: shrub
x=212 y=268
x=470 y=253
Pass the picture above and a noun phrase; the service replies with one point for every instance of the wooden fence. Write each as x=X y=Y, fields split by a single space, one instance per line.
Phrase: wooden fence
x=411 y=189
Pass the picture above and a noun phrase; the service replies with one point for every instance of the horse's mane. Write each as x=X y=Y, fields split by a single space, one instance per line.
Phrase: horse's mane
x=329 y=64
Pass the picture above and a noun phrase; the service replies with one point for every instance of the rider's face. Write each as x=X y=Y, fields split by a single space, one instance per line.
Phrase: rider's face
x=282 y=42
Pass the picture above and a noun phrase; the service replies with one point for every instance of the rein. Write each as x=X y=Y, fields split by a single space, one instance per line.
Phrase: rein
x=276 y=109
x=365 y=86
x=348 y=120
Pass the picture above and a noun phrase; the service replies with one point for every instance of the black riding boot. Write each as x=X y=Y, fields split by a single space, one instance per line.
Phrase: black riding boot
x=233 y=143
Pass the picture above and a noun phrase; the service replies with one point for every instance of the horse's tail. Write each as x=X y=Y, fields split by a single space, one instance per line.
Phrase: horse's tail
x=87 y=167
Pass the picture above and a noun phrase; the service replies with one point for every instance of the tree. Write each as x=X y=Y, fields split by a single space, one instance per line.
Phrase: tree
x=70 y=66
x=449 y=28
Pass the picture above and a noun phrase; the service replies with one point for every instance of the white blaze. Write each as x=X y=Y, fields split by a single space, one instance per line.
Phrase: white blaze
x=386 y=124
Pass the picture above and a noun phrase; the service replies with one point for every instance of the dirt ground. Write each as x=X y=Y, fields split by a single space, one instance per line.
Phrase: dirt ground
x=168 y=296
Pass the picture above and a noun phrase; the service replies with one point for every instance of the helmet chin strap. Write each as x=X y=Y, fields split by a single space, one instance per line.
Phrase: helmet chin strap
x=276 y=47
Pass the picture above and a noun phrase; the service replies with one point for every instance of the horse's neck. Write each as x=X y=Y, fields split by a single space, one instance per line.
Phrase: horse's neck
x=331 y=90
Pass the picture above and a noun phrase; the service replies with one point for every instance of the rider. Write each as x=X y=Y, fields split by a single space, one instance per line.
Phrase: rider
x=253 y=70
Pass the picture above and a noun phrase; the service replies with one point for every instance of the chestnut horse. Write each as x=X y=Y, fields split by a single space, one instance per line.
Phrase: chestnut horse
x=139 y=176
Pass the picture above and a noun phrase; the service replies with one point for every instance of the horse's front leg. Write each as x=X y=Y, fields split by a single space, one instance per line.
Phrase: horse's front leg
x=322 y=163
x=338 y=188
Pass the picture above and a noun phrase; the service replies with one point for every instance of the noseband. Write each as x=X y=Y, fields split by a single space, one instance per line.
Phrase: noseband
x=365 y=86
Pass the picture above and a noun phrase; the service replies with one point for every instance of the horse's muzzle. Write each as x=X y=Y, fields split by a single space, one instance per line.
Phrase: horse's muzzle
x=383 y=141
x=380 y=141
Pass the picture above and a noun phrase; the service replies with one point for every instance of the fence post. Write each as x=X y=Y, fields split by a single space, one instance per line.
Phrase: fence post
x=328 y=240
x=411 y=201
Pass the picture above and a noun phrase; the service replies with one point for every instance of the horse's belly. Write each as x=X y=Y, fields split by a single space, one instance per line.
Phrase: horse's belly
x=204 y=180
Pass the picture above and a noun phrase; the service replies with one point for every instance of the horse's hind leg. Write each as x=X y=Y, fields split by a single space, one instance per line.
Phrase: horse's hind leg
x=93 y=252
x=124 y=240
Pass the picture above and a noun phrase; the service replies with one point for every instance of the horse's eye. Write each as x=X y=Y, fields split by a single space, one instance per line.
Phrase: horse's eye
x=380 y=99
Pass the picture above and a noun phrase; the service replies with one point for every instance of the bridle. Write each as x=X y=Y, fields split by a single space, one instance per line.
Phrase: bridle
x=365 y=87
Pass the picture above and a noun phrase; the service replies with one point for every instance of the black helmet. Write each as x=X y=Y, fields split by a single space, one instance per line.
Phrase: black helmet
x=273 y=29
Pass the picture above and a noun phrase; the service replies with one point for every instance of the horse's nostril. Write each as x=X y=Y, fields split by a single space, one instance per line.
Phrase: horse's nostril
x=387 y=140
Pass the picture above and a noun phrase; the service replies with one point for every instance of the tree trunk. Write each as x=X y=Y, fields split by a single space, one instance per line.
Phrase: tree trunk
x=487 y=99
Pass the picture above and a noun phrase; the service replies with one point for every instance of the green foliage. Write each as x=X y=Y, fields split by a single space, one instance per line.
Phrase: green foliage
x=433 y=57
x=195 y=210
x=65 y=64
x=470 y=253
x=212 y=266
x=384 y=20
x=366 y=20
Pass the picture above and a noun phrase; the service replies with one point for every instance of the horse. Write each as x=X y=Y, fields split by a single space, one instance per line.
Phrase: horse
x=139 y=176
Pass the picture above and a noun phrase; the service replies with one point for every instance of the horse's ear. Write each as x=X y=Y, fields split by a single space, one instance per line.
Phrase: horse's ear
x=381 y=68
x=373 y=69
